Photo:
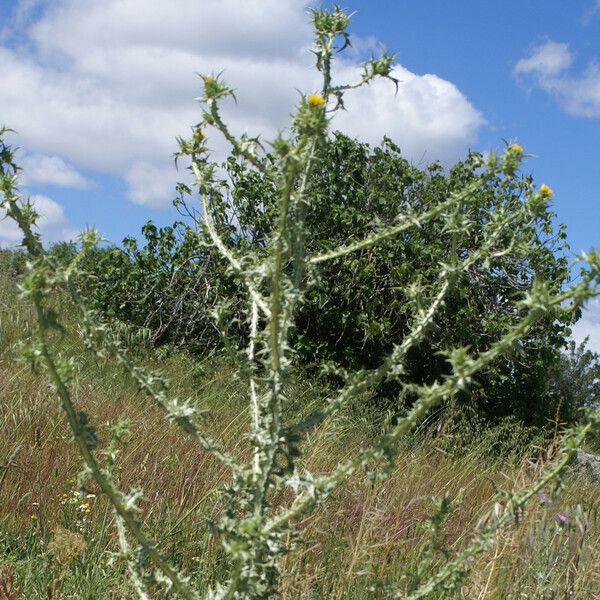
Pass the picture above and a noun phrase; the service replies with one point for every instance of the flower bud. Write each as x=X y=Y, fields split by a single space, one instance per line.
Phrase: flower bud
x=316 y=100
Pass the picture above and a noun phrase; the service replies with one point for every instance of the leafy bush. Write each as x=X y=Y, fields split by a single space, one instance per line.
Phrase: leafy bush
x=12 y=263
x=575 y=382
x=363 y=304
x=168 y=286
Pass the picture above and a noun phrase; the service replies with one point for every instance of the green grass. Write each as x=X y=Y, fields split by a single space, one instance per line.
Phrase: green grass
x=364 y=534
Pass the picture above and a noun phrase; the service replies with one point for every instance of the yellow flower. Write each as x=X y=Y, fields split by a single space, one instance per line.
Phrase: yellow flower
x=316 y=100
x=33 y=517
x=545 y=190
x=199 y=135
x=516 y=149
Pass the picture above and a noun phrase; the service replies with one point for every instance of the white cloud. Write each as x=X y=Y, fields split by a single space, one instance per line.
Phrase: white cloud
x=549 y=68
x=107 y=85
x=581 y=96
x=151 y=184
x=51 y=170
x=589 y=325
x=546 y=59
x=52 y=223
x=429 y=118
x=263 y=28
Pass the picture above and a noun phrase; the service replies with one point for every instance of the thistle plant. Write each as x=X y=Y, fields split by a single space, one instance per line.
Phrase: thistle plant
x=255 y=526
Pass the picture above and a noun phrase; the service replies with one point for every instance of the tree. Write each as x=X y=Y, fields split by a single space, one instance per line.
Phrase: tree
x=575 y=380
x=363 y=304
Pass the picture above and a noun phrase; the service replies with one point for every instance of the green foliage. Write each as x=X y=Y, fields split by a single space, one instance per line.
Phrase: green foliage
x=363 y=304
x=12 y=263
x=167 y=287
x=575 y=382
x=577 y=377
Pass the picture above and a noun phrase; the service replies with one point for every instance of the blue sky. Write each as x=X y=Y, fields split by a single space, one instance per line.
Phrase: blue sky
x=98 y=90
x=477 y=46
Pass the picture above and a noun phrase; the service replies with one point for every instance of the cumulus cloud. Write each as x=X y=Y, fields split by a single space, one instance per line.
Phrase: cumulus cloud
x=52 y=223
x=107 y=85
x=429 y=117
x=41 y=169
x=150 y=184
x=550 y=58
x=589 y=326
x=549 y=67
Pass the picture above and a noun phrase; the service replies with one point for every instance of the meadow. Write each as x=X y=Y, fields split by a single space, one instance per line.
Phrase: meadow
x=54 y=537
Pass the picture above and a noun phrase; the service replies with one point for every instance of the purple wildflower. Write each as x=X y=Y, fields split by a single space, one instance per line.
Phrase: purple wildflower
x=562 y=518
x=544 y=499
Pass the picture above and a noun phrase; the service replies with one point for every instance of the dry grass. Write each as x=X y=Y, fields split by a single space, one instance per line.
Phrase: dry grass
x=366 y=533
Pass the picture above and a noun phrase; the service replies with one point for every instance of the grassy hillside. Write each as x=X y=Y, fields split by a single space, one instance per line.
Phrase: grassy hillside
x=54 y=535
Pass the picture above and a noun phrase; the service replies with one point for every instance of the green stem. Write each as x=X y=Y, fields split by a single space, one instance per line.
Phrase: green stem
x=103 y=482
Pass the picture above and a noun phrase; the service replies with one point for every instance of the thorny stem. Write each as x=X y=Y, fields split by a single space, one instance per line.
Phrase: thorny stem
x=276 y=343
x=253 y=387
x=406 y=222
x=237 y=146
x=484 y=535
x=151 y=385
x=114 y=496
x=429 y=397
x=394 y=362
x=225 y=252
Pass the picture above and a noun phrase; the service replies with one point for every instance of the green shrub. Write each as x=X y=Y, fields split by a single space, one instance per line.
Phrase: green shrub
x=363 y=304
x=169 y=286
